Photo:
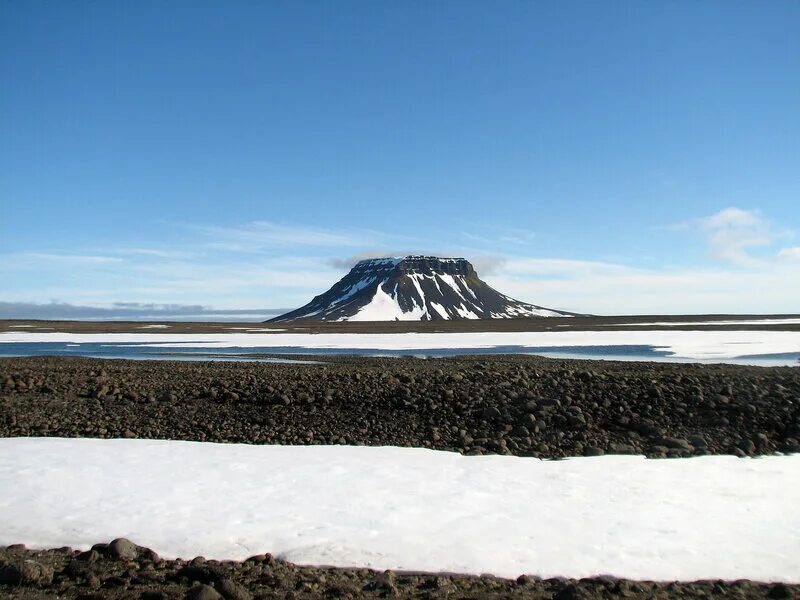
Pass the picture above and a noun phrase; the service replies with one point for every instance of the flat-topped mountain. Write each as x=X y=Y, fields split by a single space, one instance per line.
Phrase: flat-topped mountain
x=414 y=288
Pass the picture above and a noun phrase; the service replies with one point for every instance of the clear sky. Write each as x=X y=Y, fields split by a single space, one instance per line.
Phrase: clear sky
x=609 y=157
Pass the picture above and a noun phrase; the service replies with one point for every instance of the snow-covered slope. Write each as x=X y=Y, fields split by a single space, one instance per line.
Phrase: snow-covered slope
x=414 y=288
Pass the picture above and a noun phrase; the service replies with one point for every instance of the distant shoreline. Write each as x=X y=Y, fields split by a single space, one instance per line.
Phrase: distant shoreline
x=778 y=322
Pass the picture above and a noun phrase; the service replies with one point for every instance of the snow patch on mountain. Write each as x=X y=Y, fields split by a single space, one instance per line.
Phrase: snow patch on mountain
x=355 y=288
x=384 y=307
x=440 y=309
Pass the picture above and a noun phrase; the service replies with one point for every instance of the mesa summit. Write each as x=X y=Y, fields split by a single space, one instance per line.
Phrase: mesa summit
x=414 y=288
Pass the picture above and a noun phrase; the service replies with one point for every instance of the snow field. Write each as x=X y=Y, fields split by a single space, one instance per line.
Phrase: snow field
x=409 y=508
x=701 y=344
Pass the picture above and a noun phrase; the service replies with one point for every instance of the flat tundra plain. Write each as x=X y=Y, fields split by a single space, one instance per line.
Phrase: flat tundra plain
x=475 y=433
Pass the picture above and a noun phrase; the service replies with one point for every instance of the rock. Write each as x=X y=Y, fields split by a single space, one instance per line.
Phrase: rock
x=28 y=572
x=698 y=441
x=123 y=549
x=747 y=446
x=491 y=413
x=201 y=572
x=679 y=443
x=622 y=449
x=89 y=556
x=203 y=592
x=148 y=554
x=791 y=445
x=231 y=590
x=10 y=575
x=779 y=591
x=386 y=582
x=593 y=451
x=568 y=592
x=36 y=572
x=657 y=451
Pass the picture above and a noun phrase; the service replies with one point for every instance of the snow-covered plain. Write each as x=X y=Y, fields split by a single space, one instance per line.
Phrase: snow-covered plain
x=703 y=344
x=410 y=508
x=790 y=321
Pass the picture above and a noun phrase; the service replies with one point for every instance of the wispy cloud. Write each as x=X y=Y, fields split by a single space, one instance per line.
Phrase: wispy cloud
x=130 y=311
x=790 y=254
x=32 y=258
x=542 y=268
x=259 y=235
x=267 y=264
x=156 y=252
x=514 y=236
x=609 y=288
x=733 y=233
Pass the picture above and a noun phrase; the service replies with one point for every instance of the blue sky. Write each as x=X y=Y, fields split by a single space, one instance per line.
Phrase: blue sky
x=614 y=157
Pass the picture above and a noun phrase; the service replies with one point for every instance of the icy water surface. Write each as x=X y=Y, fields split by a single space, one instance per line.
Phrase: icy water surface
x=149 y=352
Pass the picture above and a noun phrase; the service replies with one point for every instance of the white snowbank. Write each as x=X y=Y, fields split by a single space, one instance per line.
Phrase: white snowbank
x=255 y=330
x=710 y=517
x=683 y=344
x=790 y=321
x=155 y=326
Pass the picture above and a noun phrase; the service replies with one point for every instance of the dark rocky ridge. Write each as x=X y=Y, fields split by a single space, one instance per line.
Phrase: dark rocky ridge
x=421 y=288
x=122 y=570
x=516 y=405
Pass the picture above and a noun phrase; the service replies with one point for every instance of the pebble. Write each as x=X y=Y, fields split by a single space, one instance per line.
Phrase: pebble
x=123 y=549
x=203 y=592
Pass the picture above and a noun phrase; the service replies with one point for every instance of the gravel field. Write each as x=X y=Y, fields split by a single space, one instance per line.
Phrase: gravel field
x=518 y=405
x=787 y=322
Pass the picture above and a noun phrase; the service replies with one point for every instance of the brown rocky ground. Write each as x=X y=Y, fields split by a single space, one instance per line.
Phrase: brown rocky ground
x=588 y=323
x=517 y=405
x=122 y=570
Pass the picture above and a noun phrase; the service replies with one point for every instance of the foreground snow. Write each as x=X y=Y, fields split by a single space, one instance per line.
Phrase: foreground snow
x=682 y=344
x=402 y=508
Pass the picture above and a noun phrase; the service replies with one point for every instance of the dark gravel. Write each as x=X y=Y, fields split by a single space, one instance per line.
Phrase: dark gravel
x=518 y=405
x=99 y=574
